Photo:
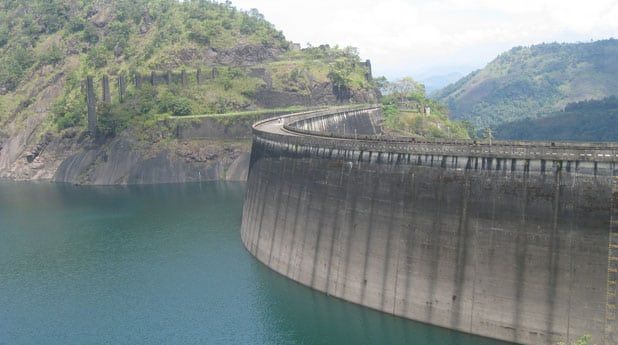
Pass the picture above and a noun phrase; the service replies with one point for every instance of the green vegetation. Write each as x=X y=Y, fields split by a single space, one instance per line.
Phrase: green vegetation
x=126 y=37
x=593 y=120
x=272 y=111
x=298 y=70
x=13 y=65
x=533 y=82
x=408 y=111
x=584 y=340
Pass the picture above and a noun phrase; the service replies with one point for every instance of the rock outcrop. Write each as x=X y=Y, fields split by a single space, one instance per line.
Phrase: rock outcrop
x=123 y=161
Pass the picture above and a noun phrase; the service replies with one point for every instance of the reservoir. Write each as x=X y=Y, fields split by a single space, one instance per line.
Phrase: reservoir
x=162 y=265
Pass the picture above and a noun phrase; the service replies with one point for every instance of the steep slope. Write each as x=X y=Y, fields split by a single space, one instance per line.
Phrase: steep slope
x=534 y=81
x=48 y=47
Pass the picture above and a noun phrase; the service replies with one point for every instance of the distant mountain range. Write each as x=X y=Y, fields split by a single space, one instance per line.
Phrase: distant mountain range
x=535 y=82
x=436 y=82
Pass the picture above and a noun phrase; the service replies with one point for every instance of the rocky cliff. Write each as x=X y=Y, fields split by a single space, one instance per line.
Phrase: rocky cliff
x=212 y=153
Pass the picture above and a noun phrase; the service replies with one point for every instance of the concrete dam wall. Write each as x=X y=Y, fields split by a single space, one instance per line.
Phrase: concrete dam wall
x=515 y=241
x=347 y=123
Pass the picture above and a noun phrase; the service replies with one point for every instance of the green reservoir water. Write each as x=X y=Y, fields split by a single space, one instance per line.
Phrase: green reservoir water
x=162 y=265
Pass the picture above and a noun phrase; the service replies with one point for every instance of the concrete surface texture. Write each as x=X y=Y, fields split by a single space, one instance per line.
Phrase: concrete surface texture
x=515 y=241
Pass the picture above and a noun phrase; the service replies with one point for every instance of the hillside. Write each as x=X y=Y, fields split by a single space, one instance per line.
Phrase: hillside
x=535 y=81
x=409 y=112
x=582 y=121
x=48 y=47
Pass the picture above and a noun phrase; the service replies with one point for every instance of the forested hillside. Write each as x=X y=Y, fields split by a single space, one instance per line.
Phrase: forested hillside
x=595 y=120
x=65 y=40
x=535 y=81
x=48 y=47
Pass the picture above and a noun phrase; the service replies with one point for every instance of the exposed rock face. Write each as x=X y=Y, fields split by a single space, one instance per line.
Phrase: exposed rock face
x=243 y=55
x=26 y=153
x=247 y=55
x=217 y=128
x=123 y=162
x=321 y=94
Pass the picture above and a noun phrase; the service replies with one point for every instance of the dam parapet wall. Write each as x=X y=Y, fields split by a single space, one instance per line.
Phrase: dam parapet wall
x=509 y=240
x=349 y=122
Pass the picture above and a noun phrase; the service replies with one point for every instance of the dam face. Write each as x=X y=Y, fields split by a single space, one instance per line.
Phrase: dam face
x=514 y=241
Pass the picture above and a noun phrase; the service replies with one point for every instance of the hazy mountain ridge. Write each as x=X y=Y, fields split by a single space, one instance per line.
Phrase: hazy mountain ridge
x=535 y=81
x=436 y=82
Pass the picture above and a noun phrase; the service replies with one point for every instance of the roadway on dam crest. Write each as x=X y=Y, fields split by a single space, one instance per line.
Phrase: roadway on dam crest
x=509 y=240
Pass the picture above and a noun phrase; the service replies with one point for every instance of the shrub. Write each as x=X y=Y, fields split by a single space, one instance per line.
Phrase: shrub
x=108 y=125
x=391 y=115
x=146 y=100
x=180 y=107
x=118 y=35
x=97 y=57
x=584 y=340
x=90 y=34
x=13 y=65
x=76 y=24
x=69 y=111
x=339 y=74
x=51 y=56
x=169 y=102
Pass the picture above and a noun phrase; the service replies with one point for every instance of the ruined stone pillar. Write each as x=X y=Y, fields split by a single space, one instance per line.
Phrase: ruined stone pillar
x=138 y=81
x=92 y=109
x=152 y=78
x=107 y=97
x=122 y=88
x=198 y=75
x=369 y=74
x=168 y=77
x=183 y=77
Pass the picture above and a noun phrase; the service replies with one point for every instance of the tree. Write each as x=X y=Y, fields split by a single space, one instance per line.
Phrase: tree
x=255 y=14
x=97 y=57
x=406 y=89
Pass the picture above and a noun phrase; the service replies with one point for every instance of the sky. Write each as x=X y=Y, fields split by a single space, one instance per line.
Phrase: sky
x=425 y=38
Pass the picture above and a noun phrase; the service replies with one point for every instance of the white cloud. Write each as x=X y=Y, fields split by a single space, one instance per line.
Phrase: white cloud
x=416 y=36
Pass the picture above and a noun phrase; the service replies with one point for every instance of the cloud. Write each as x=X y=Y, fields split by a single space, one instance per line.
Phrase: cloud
x=416 y=36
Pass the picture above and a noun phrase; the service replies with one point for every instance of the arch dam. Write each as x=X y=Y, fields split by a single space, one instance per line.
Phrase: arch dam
x=516 y=241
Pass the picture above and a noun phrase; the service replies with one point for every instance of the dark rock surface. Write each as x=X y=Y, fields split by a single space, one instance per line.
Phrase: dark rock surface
x=124 y=162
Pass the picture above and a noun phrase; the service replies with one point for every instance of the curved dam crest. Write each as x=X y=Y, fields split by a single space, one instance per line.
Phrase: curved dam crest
x=516 y=241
